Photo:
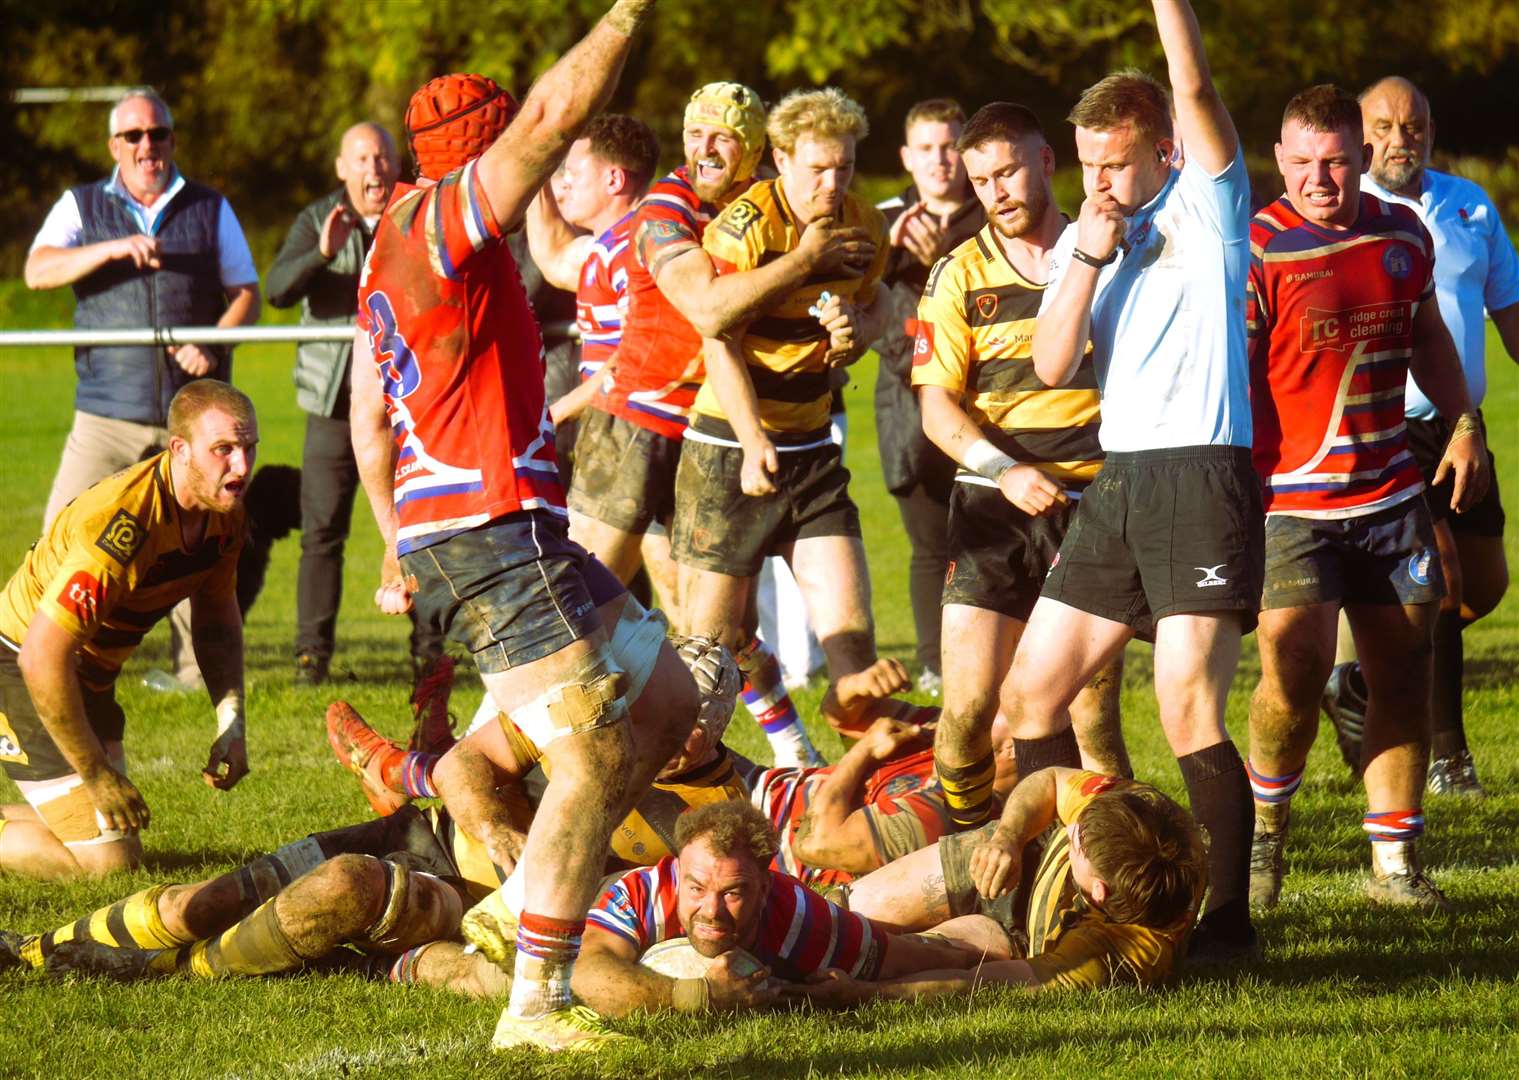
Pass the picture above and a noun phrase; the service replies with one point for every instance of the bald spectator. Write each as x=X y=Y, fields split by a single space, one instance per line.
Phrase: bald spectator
x=142 y=248
x=318 y=267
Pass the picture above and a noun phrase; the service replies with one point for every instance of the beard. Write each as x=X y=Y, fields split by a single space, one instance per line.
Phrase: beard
x=708 y=190
x=1396 y=175
x=1030 y=213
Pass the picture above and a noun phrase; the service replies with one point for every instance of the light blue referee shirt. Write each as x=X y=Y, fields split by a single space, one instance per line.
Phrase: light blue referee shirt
x=1168 y=317
x=1475 y=268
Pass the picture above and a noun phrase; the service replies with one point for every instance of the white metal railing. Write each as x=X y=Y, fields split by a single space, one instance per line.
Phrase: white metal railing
x=211 y=335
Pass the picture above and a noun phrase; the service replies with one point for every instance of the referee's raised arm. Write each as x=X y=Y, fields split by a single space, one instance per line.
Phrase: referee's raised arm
x=1202 y=123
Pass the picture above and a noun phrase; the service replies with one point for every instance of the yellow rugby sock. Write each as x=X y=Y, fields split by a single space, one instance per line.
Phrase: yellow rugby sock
x=255 y=946
x=133 y=923
x=967 y=790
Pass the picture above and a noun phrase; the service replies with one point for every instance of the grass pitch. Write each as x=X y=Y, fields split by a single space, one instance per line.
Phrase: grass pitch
x=1344 y=989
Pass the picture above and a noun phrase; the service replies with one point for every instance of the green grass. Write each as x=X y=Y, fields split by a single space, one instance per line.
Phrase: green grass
x=1344 y=989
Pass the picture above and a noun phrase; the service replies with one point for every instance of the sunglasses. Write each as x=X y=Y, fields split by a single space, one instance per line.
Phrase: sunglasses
x=134 y=135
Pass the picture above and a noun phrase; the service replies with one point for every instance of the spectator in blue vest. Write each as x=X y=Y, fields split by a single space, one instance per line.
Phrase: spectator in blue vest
x=143 y=248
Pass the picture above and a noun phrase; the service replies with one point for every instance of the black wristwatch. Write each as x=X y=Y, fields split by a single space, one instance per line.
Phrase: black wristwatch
x=1092 y=260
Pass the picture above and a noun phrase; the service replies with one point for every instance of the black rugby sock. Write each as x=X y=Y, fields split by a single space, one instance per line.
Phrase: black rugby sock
x=1221 y=801
x=1447 y=731
x=1057 y=749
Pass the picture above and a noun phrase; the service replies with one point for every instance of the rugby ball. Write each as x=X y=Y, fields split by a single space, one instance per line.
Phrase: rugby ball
x=676 y=958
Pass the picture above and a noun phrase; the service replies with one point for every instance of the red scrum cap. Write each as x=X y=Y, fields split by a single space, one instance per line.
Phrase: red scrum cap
x=453 y=119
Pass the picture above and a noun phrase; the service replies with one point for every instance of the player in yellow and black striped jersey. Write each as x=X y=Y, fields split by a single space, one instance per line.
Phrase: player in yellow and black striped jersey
x=112 y=564
x=1098 y=884
x=388 y=888
x=760 y=473
x=785 y=350
x=1025 y=450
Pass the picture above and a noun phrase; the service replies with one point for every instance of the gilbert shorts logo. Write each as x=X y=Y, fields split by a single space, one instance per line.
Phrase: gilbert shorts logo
x=1418 y=566
x=1210 y=576
x=122 y=537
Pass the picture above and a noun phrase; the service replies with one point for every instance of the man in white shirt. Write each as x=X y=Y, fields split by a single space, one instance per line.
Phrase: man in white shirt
x=1168 y=540
x=1475 y=268
x=143 y=248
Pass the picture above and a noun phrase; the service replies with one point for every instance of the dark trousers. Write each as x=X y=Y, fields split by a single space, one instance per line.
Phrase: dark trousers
x=925 y=517
x=329 y=480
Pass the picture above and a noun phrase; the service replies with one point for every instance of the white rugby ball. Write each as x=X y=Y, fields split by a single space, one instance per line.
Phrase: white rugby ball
x=676 y=958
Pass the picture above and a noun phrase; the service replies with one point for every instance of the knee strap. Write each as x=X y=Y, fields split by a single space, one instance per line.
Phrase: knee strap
x=418 y=908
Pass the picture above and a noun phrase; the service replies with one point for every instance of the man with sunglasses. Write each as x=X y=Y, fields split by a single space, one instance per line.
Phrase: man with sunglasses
x=143 y=248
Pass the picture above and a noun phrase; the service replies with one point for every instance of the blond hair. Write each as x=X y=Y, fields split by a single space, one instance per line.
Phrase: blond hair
x=828 y=113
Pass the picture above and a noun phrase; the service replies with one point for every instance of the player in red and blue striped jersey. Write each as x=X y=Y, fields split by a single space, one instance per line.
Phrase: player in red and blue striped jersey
x=578 y=231
x=718 y=892
x=455 y=447
x=1341 y=311
x=880 y=802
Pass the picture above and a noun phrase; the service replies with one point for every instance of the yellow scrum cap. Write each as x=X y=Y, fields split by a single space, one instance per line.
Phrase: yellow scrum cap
x=736 y=107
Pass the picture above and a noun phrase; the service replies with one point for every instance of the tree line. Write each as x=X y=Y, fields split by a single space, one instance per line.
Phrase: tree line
x=261 y=89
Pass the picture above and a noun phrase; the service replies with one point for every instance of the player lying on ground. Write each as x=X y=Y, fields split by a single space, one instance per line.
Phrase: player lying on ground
x=719 y=892
x=880 y=802
x=273 y=915
x=391 y=888
x=1096 y=880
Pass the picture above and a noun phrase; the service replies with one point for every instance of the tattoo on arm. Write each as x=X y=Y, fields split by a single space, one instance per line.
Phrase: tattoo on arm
x=660 y=241
x=935 y=896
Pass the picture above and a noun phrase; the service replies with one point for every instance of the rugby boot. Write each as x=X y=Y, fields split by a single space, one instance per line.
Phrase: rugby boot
x=1456 y=775
x=1344 y=702
x=360 y=749
x=1398 y=880
x=434 y=731
x=1266 y=853
x=1266 y=867
x=83 y=956
x=310 y=669
x=491 y=927
x=10 y=950
x=575 y=1029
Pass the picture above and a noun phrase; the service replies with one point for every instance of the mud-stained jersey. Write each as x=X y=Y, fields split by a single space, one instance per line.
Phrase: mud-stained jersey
x=461 y=363
x=659 y=362
x=114 y=562
x=975 y=338
x=903 y=805
x=647 y=834
x=800 y=933
x=601 y=298
x=1330 y=316
x=1071 y=942
x=783 y=348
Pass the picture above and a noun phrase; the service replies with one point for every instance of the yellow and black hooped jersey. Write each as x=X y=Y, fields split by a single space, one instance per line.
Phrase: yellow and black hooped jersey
x=114 y=562
x=784 y=347
x=647 y=834
x=1071 y=942
x=975 y=335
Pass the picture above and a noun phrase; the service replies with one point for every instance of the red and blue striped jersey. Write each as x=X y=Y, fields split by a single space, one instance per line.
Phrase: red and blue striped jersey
x=1330 y=316
x=904 y=810
x=800 y=933
x=461 y=363
x=601 y=299
x=659 y=363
